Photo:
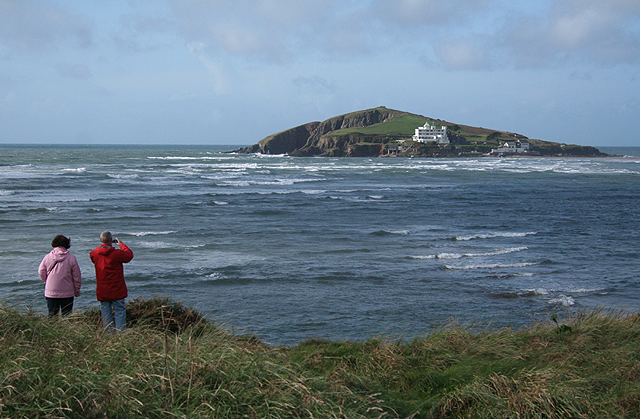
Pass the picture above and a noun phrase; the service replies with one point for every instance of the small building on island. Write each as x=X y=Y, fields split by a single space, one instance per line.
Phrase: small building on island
x=430 y=133
x=512 y=147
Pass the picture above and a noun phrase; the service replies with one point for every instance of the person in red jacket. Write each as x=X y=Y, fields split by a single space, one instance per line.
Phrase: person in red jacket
x=111 y=290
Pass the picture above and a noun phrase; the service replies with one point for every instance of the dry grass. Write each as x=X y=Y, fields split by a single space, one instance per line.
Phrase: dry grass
x=171 y=362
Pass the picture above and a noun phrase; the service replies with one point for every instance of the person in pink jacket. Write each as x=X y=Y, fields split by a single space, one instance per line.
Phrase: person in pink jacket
x=61 y=275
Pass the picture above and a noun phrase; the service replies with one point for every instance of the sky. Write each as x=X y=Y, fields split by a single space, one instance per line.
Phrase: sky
x=231 y=72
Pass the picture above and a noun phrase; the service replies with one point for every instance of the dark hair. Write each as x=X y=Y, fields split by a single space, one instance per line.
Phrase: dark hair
x=61 y=241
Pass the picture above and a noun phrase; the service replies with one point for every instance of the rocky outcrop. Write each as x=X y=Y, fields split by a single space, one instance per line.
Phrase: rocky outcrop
x=283 y=142
x=316 y=138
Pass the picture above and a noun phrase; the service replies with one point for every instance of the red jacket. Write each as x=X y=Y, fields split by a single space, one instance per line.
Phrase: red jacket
x=109 y=272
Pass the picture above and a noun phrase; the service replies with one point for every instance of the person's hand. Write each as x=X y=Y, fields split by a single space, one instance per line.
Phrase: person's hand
x=77 y=294
x=116 y=241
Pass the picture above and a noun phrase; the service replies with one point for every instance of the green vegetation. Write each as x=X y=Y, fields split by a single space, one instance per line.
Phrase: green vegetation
x=403 y=125
x=171 y=362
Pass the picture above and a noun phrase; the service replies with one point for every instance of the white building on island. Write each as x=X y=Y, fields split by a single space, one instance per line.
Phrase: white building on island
x=430 y=133
x=512 y=147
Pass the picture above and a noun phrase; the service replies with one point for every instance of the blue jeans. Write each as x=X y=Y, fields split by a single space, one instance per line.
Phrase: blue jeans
x=114 y=314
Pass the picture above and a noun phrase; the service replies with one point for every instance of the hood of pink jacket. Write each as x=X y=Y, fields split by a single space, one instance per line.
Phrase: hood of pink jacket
x=59 y=254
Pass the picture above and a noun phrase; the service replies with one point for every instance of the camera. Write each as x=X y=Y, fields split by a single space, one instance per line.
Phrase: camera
x=116 y=240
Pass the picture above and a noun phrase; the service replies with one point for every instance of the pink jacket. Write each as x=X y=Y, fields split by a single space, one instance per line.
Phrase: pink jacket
x=61 y=274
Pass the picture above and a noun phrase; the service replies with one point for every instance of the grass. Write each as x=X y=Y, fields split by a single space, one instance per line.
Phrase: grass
x=403 y=125
x=171 y=362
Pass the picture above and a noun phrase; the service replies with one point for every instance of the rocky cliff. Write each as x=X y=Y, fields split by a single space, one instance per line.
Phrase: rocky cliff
x=317 y=138
x=283 y=142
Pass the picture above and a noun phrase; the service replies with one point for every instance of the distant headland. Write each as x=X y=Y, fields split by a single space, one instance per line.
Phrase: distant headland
x=387 y=132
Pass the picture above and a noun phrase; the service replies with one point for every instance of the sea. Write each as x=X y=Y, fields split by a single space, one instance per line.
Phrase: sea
x=344 y=249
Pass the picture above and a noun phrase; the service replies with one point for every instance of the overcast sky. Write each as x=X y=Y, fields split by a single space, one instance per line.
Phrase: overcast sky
x=235 y=71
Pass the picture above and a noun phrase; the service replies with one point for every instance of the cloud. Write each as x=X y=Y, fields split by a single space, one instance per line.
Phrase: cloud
x=461 y=34
x=469 y=54
x=37 y=26
x=74 y=71
x=270 y=30
x=458 y=34
x=427 y=12
x=313 y=85
x=214 y=68
x=575 y=31
x=138 y=32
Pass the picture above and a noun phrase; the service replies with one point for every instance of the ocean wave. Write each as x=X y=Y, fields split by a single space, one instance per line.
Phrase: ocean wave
x=440 y=256
x=534 y=292
x=123 y=177
x=75 y=170
x=158 y=245
x=572 y=290
x=538 y=292
x=550 y=296
x=516 y=165
x=391 y=232
x=215 y=158
x=216 y=276
x=512 y=275
x=586 y=290
x=491 y=266
x=151 y=233
x=497 y=252
x=493 y=235
x=275 y=182
x=563 y=300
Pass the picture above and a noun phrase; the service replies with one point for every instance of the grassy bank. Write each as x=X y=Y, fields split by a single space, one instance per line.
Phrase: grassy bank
x=173 y=363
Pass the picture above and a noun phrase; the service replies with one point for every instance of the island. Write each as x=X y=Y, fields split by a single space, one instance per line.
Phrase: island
x=383 y=132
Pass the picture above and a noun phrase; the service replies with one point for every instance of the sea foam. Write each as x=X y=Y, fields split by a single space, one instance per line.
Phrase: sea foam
x=493 y=235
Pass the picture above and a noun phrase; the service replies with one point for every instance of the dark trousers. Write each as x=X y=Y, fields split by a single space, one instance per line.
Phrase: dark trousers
x=56 y=304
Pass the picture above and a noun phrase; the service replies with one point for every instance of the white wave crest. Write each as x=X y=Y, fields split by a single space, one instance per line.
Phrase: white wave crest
x=491 y=266
x=497 y=252
x=155 y=245
x=448 y=256
x=151 y=233
x=586 y=290
x=563 y=300
x=122 y=177
x=493 y=235
x=216 y=276
x=535 y=292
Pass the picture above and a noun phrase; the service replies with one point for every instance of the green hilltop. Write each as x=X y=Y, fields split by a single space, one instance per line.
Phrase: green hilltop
x=387 y=132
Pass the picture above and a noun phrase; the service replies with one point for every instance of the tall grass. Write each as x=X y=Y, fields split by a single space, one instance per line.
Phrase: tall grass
x=171 y=362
